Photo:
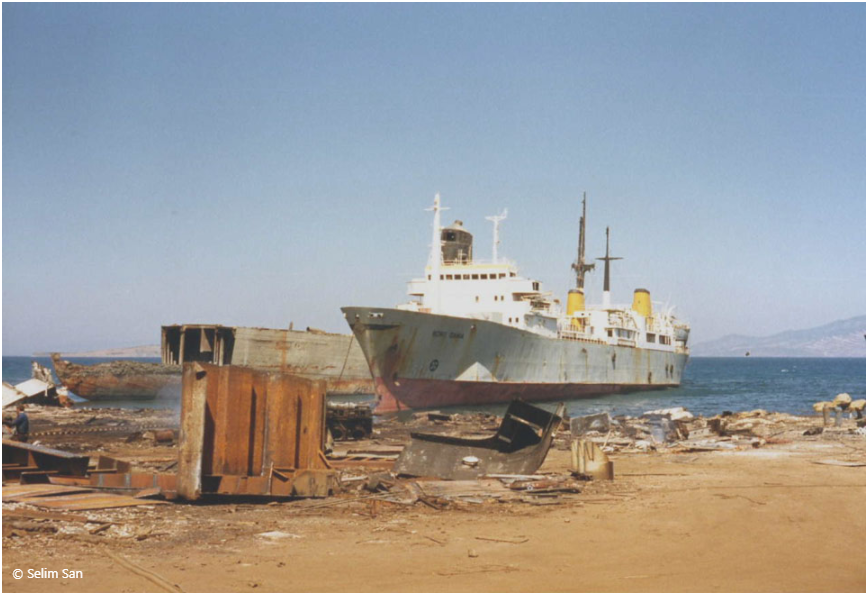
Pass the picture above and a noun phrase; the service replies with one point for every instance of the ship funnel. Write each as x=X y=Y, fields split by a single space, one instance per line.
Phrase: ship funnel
x=642 y=302
x=575 y=301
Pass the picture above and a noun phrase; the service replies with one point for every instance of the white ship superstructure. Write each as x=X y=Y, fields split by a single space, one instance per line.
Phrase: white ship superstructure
x=456 y=284
x=516 y=339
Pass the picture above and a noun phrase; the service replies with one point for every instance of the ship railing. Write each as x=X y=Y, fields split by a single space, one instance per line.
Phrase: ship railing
x=574 y=335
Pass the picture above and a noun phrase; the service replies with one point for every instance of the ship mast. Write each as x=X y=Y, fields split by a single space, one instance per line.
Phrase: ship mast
x=436 y=256
x=607 y=259
x=496 y=219
x=580 y=266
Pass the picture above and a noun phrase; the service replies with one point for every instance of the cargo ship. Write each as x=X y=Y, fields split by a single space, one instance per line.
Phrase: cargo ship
x=477 y=332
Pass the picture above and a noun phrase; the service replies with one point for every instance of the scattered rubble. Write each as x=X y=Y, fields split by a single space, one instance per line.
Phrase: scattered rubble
x=349 y=421
x=476 y=461
x=38 y=390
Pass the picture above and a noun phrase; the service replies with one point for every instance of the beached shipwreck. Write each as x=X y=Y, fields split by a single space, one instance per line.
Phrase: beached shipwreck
x=120 y=379
x=316 y=355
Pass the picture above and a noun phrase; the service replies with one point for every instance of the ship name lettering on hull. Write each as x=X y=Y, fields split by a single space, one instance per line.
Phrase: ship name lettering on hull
x=451 y=335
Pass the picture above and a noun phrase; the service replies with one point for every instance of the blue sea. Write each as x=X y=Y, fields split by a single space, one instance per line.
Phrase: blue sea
x=710 y=385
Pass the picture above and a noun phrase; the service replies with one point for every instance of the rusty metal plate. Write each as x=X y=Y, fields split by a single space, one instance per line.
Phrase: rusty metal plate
x=16 y=493
x=19 y=457
x=90 y=501
x=519 y=447
x=242 y=429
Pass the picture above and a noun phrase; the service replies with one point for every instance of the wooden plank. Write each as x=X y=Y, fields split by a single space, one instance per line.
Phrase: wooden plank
x=193 y=398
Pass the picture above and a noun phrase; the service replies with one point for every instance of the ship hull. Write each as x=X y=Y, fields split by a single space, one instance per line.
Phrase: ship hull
x=117 y=380
x=315 y=355
x=421 y=360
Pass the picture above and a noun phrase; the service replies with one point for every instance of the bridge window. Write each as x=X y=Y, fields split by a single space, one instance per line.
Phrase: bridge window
x=650 y=337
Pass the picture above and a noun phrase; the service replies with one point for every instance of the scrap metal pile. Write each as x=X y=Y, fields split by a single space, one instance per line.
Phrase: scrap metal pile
x=246 y=434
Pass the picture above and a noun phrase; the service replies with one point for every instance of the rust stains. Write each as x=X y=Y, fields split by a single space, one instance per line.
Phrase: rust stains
x=249 y=432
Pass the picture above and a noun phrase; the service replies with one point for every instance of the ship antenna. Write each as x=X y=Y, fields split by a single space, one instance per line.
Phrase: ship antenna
x=607 y=259
x=496 y=219
x=436 y=256
x=580 y=266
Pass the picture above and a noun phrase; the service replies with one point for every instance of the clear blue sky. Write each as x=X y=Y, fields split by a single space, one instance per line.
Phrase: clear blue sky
x=261 y=164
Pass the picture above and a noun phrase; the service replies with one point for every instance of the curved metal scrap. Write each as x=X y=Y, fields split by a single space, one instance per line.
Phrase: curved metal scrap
x=519 y=447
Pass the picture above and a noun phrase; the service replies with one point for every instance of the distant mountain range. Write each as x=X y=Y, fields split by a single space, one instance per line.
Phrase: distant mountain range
x=842 y=338
x=120 y=352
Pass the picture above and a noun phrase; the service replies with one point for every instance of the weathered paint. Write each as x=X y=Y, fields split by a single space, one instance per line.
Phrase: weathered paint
x=118 y=379
x=425 y=360
x=315 y=355
x=519 y=447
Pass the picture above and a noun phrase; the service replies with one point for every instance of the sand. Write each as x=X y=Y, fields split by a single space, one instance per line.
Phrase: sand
x=766 y=519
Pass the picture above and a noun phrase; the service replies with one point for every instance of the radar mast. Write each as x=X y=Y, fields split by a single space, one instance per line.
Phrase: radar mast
x=580 y=266
x=607 y=259
x=496 y=219
x=436 y=257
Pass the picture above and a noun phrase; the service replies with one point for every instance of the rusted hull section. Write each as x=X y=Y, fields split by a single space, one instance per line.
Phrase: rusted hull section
x=423 y=360
x=315 y=355
x=250 y=432
x=118 y=379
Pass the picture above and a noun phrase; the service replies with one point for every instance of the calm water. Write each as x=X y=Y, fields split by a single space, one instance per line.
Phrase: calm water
x=710 y=385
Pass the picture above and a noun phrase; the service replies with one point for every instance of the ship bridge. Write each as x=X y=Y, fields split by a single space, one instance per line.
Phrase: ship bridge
x=460 y=285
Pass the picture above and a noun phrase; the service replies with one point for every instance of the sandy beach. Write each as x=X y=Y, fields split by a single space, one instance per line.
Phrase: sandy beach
x=787 y=516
